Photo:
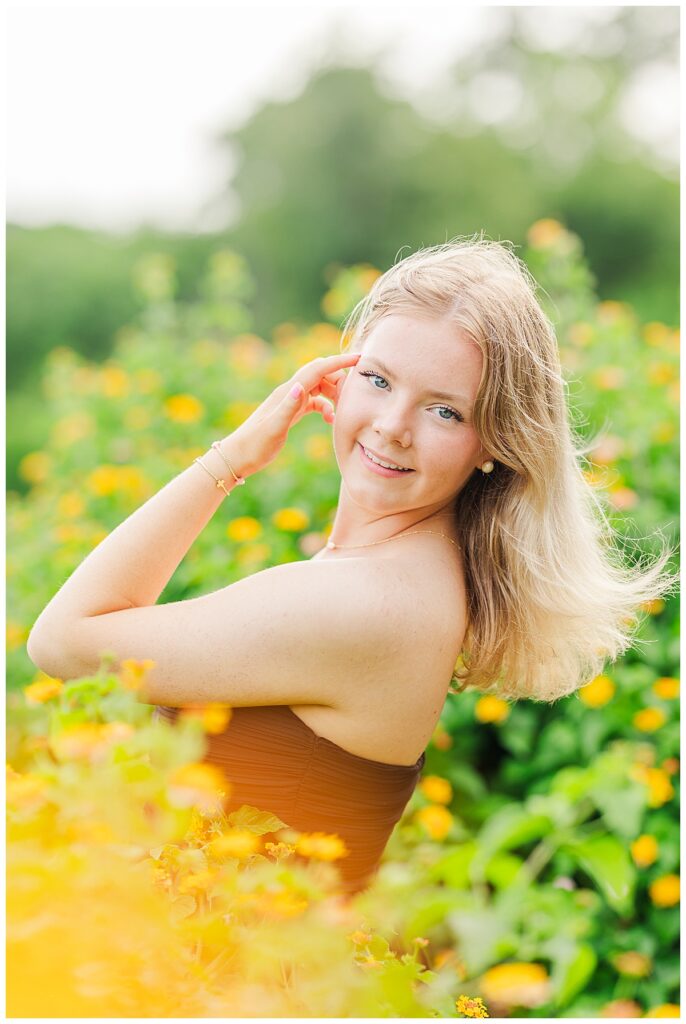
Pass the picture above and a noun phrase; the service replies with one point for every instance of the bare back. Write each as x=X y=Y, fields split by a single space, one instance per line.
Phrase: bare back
x=394 y=721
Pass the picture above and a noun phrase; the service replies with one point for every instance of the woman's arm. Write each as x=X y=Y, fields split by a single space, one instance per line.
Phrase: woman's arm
x=131 y=567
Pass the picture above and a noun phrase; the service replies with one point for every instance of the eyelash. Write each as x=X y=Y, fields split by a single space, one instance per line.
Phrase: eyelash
x=371 y=373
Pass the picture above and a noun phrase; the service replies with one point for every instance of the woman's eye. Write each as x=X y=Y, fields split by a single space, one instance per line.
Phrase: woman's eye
x=441 y=408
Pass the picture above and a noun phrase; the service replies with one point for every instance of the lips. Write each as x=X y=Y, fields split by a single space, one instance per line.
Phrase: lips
x=384 y=458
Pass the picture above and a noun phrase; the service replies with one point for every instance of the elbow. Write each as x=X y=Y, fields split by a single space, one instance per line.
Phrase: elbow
x=48 y=654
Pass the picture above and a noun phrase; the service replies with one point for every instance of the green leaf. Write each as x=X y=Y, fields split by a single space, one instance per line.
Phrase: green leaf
x=453 y=869
x=572 y=972
x=252 y=819
x=502 y=869
x=605 y=860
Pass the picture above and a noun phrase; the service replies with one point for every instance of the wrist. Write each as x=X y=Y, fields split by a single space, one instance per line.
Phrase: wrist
x=232 y=455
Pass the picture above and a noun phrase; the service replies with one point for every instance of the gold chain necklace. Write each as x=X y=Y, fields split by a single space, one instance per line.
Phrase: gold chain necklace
x=342 y=547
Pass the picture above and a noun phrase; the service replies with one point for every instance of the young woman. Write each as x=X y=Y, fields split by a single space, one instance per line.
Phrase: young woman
x=465 y=531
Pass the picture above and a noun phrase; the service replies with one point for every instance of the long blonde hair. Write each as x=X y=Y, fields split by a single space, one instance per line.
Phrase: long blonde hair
x=549 y=597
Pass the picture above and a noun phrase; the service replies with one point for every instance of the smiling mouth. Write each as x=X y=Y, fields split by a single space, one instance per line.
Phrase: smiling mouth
x=386 y=468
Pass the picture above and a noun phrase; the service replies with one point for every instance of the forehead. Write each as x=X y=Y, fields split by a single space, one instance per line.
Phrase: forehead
x=433 y=353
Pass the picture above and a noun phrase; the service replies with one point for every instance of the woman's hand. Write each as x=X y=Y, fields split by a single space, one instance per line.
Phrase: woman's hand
x=261 y=437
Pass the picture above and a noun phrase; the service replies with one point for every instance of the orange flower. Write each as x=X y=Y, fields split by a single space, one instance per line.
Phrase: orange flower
x=653 y=607
x=660 y=789
x=665 y=891
x=198 y=784
x=621 y=1008
x=649 y=719
x=545 y=233
x=644 y=851
x=598 y=692
x=666 y=687
x=516 y=984
x=436 y=789
x=184 y=408
x=436 y=820
x=471 y=1007
x=214 y=717
x=633 y=964
x=291 y=519
x=244 y=528
x=623 y=497
x=321 y=846
x=491 y=709
x=236 y=842
x=42 y=690
x=132 y=673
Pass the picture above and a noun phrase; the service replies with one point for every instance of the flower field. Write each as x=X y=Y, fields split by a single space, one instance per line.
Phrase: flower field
x=535 y=871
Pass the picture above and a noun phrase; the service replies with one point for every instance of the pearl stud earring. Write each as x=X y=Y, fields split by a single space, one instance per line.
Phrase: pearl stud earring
x=487 y=467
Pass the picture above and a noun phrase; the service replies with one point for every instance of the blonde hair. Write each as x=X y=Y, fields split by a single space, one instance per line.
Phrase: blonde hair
x=549 y=597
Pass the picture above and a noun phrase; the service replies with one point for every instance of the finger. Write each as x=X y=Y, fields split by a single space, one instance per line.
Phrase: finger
x=322 y=406
x=312 y=373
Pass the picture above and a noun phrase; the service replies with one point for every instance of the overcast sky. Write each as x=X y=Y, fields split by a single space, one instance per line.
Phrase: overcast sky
x=112 y=111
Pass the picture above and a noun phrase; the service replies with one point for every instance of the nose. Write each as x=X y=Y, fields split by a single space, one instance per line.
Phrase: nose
x=391 y=424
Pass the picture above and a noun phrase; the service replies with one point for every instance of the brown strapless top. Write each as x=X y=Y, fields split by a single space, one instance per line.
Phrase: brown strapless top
x=275 y=762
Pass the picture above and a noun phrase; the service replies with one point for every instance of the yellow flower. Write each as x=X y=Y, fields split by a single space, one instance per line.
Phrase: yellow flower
x=598 y=692
x=132 y=673
x=35 y=467
x=15 y=635
x=622 y=497
x=660 y=789
x=661 y=373
x=665 y=891
x=644 y=851
x=114 y=382
x=664 y=432
x=197 y=881
x=656 y=334
x=184 y=408
x=103 y=481
x=471 y=1007
x=198 y=783
x=633 y=964
x=653 y=607
x=666 y=687
x=649 y=719
x=545 y=233
x=73 y=428
x=71 y=505
x=244 y=528
x=611 y=312
x=436 y=820
x=88 y=740
x=148 y=381
x=321 y=846
x=254 y=554
x=137 y=418
x=491 y=709
x=291 y=519
x=42 y=690
x=360 y=938
x=26 y=790
x=608 y=378
x=436 y=789
x=516 y=984
x=580 y=334
x=236 y=842
x=665 y=1010
x=214 y=717
x=318 y=447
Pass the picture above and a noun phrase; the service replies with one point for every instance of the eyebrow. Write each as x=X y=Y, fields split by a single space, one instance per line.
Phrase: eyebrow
x=459 y=399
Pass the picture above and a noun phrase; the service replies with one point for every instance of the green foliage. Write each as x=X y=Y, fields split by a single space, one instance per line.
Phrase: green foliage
x=551 y=844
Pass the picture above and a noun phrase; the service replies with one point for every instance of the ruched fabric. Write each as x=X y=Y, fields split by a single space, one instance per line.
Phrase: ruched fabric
x=276 y=762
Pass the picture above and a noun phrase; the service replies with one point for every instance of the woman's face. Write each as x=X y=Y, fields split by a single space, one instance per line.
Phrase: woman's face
x=395 y=412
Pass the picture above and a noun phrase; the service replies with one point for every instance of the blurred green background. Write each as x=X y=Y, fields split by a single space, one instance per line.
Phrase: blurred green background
x=346 y=172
